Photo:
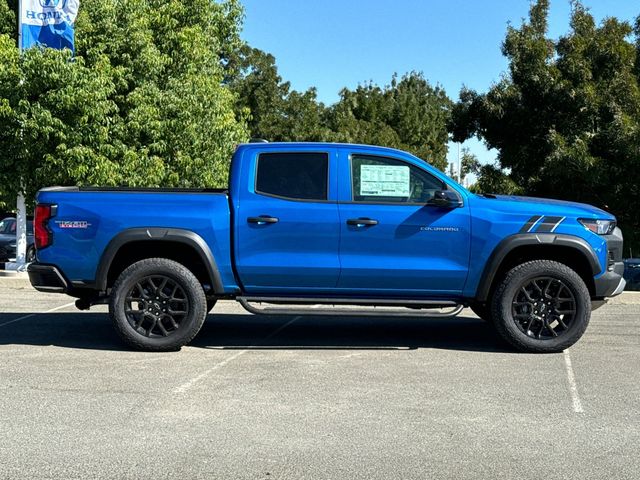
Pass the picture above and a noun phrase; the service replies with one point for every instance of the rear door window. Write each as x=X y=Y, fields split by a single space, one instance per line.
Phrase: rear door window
x=293 y=175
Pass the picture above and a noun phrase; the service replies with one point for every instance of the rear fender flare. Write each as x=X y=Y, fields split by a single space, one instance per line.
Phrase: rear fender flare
x=186 y=237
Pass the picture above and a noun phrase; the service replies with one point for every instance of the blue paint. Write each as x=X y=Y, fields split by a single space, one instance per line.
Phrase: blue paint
x=413 y=251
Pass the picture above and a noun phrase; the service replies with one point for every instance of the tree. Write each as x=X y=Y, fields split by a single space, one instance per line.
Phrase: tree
x=408 y=114
x=275 y=111
x=141 y=104
x=566 y=119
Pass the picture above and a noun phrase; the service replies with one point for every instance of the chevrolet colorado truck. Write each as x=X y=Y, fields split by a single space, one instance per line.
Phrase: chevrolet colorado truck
x=351 y=229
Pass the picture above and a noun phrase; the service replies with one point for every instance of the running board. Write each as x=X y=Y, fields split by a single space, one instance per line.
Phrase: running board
x=373 y=307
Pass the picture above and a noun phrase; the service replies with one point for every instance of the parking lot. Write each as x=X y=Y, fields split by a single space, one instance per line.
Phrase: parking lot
x=304 y=397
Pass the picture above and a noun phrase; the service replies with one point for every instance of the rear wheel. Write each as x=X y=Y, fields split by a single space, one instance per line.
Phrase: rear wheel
x=157 y=305
x=541 y=306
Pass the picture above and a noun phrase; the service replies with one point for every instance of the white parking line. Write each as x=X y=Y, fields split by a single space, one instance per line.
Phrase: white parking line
x=573 y=386
x=37 y=313
x=186 y=386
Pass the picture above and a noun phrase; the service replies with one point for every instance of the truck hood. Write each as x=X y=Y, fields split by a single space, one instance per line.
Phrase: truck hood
x=551 y=206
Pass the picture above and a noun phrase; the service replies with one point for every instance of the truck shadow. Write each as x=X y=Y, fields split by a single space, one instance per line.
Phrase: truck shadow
x=89 y=330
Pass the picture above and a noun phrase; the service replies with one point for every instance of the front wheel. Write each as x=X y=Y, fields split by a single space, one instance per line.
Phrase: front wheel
x=157 y=305
x=541 y=306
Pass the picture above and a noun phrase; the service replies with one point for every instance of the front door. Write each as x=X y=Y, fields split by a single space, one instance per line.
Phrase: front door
x=392 y=242
x=287 y=224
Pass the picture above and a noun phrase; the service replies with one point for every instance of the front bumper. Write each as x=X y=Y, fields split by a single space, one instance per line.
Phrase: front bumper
x=612 y=282
x=47 y=278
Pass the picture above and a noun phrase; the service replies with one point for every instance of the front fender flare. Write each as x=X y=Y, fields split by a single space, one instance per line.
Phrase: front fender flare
x=519 y=240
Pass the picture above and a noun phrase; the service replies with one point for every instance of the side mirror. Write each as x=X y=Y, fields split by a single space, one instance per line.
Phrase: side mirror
x=445 y=199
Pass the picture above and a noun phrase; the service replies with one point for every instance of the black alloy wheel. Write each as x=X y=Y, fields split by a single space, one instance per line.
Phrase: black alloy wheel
x=544 y=308
x=156 y=306
x=541 y=306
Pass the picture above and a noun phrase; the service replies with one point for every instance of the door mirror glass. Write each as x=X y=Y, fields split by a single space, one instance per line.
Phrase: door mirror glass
x=445 y=199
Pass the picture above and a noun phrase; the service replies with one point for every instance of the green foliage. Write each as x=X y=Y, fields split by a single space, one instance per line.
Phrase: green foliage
x=275 y=111
x=469 y=163
x=566 y=120
x=141 y=104
x=409 y=114
x=160 y=92
x=8 y=21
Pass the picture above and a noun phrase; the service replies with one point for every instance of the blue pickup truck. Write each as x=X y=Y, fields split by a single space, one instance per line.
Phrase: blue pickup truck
x=354 y=229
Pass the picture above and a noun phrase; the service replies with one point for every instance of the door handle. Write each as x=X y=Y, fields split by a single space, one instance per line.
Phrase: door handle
x=262 y=219
x=362 y=222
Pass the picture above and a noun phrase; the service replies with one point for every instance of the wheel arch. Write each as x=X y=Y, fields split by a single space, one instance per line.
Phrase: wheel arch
x=572 y=251
x=183 y=246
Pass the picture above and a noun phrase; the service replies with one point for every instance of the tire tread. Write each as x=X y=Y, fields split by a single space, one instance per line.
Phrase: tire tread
x=191 y=282
x=516 y=275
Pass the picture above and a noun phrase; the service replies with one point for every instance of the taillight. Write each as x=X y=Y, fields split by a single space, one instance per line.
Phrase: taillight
x=43 y=236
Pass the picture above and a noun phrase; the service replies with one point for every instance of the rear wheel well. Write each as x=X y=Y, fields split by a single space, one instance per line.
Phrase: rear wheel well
x=568 y=256
x=182 y=253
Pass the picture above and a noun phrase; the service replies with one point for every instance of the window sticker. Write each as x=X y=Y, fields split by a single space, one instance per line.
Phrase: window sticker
x=384 y=180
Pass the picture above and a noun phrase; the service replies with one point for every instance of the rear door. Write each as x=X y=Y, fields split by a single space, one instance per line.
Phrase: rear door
x=392 y=242
x=287 y=224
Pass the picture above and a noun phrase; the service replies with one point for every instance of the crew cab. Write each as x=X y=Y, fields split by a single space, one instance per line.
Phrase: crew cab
x=334 y=225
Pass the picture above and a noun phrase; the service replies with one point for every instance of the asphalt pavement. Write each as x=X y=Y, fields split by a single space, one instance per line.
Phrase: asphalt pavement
x=312 y=398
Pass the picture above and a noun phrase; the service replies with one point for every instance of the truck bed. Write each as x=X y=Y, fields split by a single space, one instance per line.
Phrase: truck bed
x=88 y=218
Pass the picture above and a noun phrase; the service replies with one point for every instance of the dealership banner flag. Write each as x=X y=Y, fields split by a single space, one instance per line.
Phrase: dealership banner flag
x=47 y=23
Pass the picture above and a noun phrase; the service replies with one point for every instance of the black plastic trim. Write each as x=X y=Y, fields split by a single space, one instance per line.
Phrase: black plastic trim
x=607 y=283
x=47 y=278
x=158 y=234
x=134 y=190
x=520 y=240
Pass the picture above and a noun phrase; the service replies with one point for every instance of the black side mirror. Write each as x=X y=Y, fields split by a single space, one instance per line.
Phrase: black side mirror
x=445 y=199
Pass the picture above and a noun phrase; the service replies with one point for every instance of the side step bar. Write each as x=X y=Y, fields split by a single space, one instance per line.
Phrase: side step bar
x=373 y=307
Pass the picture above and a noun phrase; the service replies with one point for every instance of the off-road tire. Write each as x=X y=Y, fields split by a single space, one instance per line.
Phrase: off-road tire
x=505 y=294
x=190 y=323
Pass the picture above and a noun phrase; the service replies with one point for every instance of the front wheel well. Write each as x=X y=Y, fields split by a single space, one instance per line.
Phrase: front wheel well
x=182 y=253
x=571 y=257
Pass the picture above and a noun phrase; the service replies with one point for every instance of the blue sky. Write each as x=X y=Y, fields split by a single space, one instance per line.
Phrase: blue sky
x=331 y=44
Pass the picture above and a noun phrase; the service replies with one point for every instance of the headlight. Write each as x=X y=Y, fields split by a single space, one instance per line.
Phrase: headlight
x=599 y=227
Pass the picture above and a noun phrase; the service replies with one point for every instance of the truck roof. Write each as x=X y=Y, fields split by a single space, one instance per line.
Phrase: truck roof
x=294 y=145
